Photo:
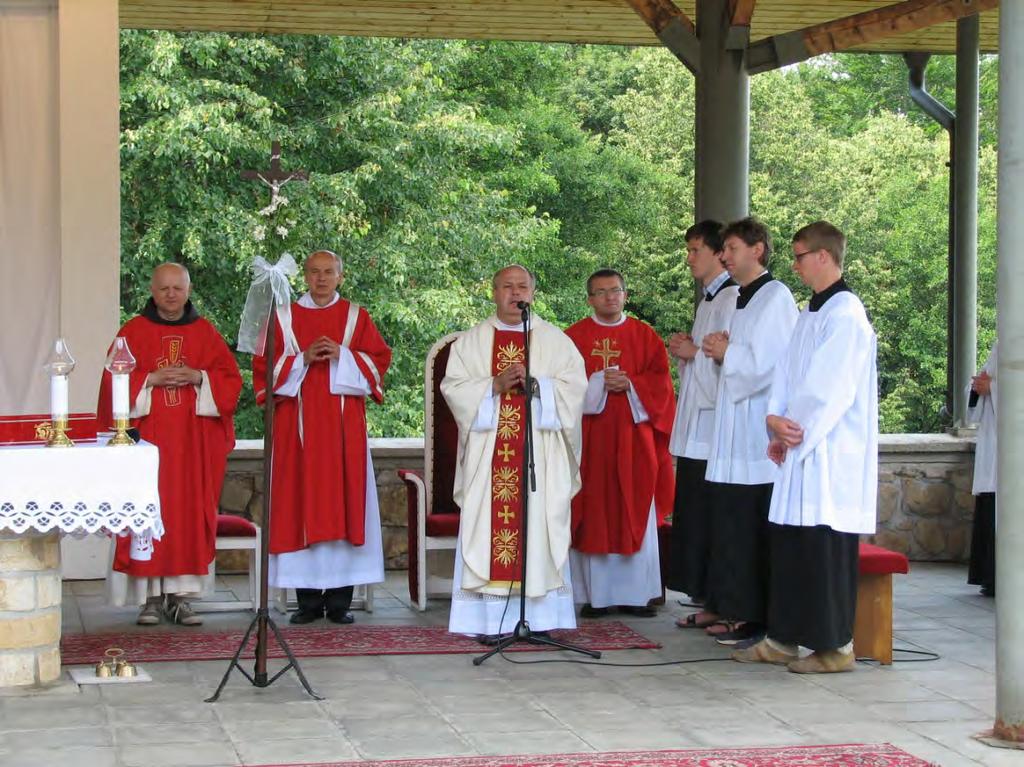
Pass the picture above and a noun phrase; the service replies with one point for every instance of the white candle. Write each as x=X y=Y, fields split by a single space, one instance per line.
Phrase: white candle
x=58 y=397
x=120 y=395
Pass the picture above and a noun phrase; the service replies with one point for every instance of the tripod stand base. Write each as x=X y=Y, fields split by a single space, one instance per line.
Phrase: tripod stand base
x=262 y=678
x=523 y=633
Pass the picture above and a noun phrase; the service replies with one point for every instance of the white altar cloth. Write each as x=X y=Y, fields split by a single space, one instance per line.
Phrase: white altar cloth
x=88 y=488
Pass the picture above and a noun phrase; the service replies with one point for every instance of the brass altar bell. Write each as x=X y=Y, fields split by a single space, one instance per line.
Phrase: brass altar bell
x=114 y=664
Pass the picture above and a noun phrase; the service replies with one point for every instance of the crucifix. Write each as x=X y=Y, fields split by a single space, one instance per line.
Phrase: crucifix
x=274 y=178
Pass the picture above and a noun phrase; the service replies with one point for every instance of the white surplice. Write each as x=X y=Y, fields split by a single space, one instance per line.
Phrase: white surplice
x=984 y=415
x=758 y=337
x=694 y=424
x=333 y=564
x=477 y=604
x=828 y=383
x=607 y=580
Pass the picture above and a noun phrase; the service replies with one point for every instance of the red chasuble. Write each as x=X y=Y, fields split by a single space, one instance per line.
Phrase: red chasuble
x=193 y=449
x=319 y=462
x=507 y=464
x=625 y=465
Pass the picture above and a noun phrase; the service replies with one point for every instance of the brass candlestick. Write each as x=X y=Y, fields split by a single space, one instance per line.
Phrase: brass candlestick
x=57 y=436
x=121 y=433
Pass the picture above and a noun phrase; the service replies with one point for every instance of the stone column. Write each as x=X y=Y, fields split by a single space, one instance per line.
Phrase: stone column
x=30 y=609
x=1009 y=724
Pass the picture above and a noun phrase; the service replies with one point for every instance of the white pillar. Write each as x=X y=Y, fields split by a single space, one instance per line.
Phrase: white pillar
x=1009 y=724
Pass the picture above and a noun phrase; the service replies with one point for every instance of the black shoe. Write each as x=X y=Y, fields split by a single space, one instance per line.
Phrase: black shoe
x=340 y=617
x=593 y=612
x=302 y=617
x=644 y=611
x=743 y=633
x=988 y=591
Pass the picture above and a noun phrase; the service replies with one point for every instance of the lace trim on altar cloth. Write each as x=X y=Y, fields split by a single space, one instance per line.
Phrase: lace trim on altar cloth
x=83 y=518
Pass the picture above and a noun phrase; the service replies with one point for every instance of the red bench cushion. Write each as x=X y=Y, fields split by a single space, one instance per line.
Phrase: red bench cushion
x=230 y=526
x=874 y=560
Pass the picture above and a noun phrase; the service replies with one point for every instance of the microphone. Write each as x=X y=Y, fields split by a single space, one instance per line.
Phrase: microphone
x=523 y=305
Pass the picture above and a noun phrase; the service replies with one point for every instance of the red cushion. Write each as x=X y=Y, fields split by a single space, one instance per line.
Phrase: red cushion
x=442 y=525
x=874 y=560
x=230 y=526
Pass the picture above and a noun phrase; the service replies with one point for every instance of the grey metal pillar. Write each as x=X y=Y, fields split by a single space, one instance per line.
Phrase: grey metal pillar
x=722 y=162
x=1009 y=723
x=965 y=207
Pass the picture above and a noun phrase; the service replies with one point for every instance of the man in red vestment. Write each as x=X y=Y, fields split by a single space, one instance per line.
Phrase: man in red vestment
x=183 y=394
x=627 y=471
x=325 y=534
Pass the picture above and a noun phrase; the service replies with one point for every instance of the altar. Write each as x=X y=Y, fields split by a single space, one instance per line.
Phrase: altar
x=46 y=493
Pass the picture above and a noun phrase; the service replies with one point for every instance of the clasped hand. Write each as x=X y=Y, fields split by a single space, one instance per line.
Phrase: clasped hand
x=615 y=380
x=982 y=384
x=681 y=346
x=323 y=348
x=175 y=376
x=786 y=433
x=715 y=345
x=512 y=377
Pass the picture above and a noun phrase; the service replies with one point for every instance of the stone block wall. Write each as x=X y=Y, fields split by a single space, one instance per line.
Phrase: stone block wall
x=925 y=504
x=30 y=597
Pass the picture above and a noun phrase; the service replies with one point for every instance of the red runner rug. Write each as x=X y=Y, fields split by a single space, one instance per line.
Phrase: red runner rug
x=792 y=756
x=188 y=644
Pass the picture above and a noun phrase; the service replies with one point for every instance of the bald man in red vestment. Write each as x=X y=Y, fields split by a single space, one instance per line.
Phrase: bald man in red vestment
x=183 y=394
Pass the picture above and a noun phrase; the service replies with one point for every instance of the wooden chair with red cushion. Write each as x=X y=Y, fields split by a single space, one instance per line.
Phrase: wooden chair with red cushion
x=433 y=515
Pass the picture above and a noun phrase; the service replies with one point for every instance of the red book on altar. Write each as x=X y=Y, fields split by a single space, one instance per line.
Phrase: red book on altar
x=35 y=428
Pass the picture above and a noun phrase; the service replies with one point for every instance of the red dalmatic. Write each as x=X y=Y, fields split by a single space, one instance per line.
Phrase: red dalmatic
x=507 y=463
x=625 y=465
x=319 y=462
x=193 y=449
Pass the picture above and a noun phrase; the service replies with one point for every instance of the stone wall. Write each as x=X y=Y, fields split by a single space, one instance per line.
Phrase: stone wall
x=925 y=504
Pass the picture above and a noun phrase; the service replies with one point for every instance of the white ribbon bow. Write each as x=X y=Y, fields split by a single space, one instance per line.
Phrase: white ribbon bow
x=269 y=289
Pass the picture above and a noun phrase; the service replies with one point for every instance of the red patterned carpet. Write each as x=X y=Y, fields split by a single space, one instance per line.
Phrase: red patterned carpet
x=188 y=644
x=794 y=756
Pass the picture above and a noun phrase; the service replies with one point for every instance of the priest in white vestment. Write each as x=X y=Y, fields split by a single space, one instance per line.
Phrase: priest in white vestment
x=982 y=411
x=823 y=421
x=694 y=422
x=739 y=470
x=483 y=386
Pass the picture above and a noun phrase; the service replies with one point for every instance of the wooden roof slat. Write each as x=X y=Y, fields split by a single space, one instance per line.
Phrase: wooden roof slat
x=604 y=21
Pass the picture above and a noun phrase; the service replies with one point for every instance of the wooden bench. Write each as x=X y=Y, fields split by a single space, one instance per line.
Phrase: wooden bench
x=872 y=630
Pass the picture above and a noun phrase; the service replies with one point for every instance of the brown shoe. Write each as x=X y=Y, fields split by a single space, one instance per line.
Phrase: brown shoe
x=824 y=662
x=762 y=652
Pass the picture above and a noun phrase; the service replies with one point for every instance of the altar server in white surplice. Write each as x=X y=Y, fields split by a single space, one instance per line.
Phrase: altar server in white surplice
x=695 y=419
x=483 y=386
x=982 y=411
x=823 y=421
x=739 y=471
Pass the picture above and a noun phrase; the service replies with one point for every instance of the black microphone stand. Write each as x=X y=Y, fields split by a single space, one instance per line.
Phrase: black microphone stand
x=522 y=631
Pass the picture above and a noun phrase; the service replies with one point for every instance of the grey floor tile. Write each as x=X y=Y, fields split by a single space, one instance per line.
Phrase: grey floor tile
x=56 y=738
x=80 y=756
x=297 y=751
x=244 y=731
x=267 y=711
x=509 y=718
x=20 y=715
x=534 y=742
x=178 y=755
x=925 y=711
x=184 y=733
x=419 y=745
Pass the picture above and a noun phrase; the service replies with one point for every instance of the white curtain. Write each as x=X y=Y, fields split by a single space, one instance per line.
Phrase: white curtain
x=29 y=202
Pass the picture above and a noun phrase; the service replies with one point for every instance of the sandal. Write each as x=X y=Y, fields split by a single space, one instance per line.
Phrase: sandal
x=694 y=621
x=720 y=627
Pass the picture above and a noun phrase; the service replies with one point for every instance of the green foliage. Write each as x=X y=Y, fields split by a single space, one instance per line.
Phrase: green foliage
x=433 y=163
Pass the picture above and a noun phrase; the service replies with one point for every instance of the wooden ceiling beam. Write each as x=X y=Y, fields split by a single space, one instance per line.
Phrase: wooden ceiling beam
x=673 y=27
x=858 y=30
x=741 y=12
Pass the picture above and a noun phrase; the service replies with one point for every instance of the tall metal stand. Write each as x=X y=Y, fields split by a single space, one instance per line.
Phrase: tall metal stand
x=522 y=631
x=263 y=621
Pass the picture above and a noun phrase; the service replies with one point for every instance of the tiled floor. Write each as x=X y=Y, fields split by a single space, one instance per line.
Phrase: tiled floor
x=423 y=706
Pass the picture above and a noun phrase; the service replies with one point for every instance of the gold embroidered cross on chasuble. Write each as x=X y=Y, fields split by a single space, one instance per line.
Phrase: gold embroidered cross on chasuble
x=506 y=465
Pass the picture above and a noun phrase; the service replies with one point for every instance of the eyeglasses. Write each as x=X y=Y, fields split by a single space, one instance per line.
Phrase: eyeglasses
x=613 y=292
x=798 y=256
